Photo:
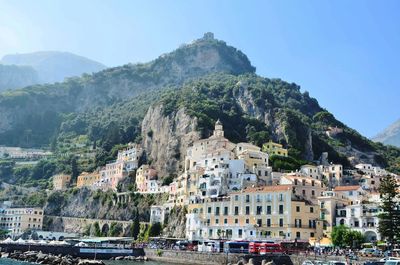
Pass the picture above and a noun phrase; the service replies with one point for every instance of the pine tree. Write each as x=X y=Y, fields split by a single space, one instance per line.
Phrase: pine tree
x=389 y=220
x=136 y=227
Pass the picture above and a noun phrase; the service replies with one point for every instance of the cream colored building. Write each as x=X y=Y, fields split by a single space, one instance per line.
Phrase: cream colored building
x=19 y=220
x=147 y=180
x=329 y=202
x=268 y=212
x=61 y=181
x=86 y=179
x=304 y=186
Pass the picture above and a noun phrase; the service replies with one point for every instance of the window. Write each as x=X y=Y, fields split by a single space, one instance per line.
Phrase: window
x=303 y=182
x=216 y=211
x=313 y=192
x=280 y=209
x=259 y=222
x=236 y=197
x=247 y=198
x=258 y=198
x=311 y=209
x=304 y=192
x=268 y=222
x=280 y=222
x=225 y=221
x=209 y=210
x=217 y=221
x=298 y=209
x=247 y=210
x=269 y=209
x=240 y=232
x=281 y=197
x=225 y=210
x=312 y=234
x=295 y=181
x=236 y=221
x=259 y=210
x=210 y=232
x=247 y=221
x=312 y=183
x=208 y=222
x=297 y=234
x=236 y=210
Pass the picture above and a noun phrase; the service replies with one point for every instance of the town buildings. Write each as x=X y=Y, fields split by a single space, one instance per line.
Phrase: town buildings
x=61 y=181
x=18 y=220
x=274 y=149
x=267 y=212
x=88 y=179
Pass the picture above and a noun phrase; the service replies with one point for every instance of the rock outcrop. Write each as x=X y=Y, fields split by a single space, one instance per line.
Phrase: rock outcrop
x=166 y=138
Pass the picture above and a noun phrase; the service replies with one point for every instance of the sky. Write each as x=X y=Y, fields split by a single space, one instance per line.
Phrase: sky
x=344 y=53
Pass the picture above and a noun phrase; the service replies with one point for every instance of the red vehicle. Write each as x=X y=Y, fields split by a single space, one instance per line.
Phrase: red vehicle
x=266 y=248
x=254 y=247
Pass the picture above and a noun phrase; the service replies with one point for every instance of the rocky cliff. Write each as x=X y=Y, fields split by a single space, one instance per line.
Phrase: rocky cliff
x=166 y=138
x=13 y=76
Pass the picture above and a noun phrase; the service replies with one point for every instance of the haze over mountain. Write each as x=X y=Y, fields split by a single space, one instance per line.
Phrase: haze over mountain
x=47 y=66
x=391 y=135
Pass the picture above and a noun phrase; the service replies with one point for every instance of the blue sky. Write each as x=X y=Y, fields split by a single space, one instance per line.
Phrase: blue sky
x=345 y=53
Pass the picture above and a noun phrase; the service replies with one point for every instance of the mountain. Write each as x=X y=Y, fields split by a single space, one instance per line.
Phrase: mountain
x=391 y=135
x=13 y=76
x=53 y=66
x=166 y=104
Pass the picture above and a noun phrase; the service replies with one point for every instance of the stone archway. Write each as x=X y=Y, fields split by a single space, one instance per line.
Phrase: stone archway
x=104 y=229
x=371 y=236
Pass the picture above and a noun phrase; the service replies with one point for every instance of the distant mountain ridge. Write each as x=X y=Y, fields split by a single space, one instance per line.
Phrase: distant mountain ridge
x=161 y=103
x=391 y=135
x=52 y=66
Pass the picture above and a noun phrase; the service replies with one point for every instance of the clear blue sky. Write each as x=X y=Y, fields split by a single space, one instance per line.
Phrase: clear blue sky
x=345 y=53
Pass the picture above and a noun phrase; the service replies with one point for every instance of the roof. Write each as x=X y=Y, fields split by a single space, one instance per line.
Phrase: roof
x=346 y=188
x=106 y=239
x=265 y=189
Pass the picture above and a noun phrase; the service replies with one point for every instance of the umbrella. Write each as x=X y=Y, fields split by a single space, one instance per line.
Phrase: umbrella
x=64 y=243
x=81 y=244
x=8 y=241
x=20 y=241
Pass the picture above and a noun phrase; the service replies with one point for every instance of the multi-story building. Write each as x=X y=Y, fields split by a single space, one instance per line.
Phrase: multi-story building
x=61 y=181
x=147 y=180
x=361 y=217
x=86 y=179
x=18 y=220
x=271 y=212
x=130 y=156
x=111 y=174
x=329 y=202
x=353 y=193
x=303 y=186
x=311 y=171
x=333 y=174
x=274 y=149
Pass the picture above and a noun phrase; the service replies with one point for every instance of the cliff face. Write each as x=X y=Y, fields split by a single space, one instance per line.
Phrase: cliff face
x=166 y=138
x=13 y=76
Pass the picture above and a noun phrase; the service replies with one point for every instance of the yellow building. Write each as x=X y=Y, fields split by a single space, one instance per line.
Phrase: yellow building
x=18 y=220
x=274 y=149
x=329 y=202
x=61 y=181
x=88 y=179
x=268 y=212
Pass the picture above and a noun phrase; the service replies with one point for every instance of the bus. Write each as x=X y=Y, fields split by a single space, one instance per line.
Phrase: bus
x=266 y=248
x=254 y=247
x=295 y=246
x=236 y=247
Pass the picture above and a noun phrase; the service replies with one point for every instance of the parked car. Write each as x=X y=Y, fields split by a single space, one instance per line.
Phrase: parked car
x=370 y=252
x=307 y=262
x=392 y=262
x=374 y=262
x=334 y=262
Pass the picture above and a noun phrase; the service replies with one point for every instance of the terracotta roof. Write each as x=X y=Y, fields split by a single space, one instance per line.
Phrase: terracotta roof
x=346 y=188
x=265 y=189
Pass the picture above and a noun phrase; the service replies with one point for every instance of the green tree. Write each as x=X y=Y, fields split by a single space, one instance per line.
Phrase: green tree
x=389 y=220
x=136 y=227
x=338 y=235
x=116 y=229
x=95 y=229
x=155 y=229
